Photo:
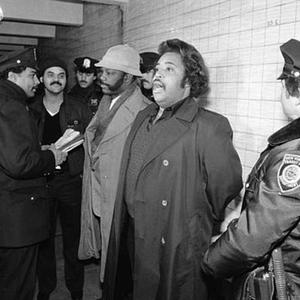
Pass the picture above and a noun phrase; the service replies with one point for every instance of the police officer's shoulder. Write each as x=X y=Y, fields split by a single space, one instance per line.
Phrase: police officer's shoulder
x=211 y=116
x=285 y=134
x=288 y=173
x=74 y=101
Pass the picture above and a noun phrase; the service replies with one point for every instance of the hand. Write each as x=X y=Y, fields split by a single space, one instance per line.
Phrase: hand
x=45 y=147
x=60 y=156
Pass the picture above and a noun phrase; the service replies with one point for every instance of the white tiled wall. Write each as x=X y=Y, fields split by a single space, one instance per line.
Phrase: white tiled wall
x=239 y=40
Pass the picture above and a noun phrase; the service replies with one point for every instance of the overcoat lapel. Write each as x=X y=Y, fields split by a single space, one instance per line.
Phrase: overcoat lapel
x=175 y=128
x=124 y=118
x=89 y=135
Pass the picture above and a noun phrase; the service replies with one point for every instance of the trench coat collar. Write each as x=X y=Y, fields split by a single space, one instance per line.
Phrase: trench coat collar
x=127 y=110
x=175 y=127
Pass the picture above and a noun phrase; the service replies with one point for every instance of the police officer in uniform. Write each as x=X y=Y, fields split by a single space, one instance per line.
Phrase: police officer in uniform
x=24 y=205
x=147 y=65
x=271 y=209
x=86 y=87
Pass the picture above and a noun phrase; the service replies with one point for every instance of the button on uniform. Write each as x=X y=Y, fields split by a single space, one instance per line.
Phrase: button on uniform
x=164 y=203
x=163 y=241
x=32 y=198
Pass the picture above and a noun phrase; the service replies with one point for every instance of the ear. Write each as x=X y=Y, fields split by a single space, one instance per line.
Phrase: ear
x=128 y=78
x=12 y=76
x=187 y=83
x=41 y=79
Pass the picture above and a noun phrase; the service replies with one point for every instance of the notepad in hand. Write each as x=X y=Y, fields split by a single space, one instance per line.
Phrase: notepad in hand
x=69 y=140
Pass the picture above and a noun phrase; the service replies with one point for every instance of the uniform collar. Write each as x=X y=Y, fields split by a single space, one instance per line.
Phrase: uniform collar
x=15 y=90
x=288 y=133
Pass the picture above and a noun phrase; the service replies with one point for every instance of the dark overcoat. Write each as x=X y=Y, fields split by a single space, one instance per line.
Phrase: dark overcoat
x=24 y=216
x=189 y=175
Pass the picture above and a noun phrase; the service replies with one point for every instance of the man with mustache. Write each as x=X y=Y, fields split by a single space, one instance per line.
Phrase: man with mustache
x=86 y=87
x=57 y=112
x=104 y=141
x=24 y=220
x=147 y=65
x=179 y=171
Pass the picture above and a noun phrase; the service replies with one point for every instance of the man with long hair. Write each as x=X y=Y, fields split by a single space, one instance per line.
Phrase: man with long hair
x=179 y=170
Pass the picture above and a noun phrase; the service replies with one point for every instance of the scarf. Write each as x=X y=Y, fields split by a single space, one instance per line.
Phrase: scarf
x=104 y=115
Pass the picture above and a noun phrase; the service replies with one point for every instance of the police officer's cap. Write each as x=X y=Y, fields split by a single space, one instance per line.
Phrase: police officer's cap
x=291 y=54
x=148 y=61
x=21 y=58
x=85 y=64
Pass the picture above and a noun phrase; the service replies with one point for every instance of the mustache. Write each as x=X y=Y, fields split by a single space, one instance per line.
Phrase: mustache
x=101 y=82
x=83 y=81
x=147 y=81
x=55 y=82
x=157 y=81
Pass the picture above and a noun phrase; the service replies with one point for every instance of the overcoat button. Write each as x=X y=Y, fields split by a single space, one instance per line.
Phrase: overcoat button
x=32 y=198
x=165 y=162
x=164 y=203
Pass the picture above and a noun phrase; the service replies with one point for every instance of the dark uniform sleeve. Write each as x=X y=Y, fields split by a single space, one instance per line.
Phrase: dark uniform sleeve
x=20 y=154
x=263 y=224
x=223 y=169
x=87 y=115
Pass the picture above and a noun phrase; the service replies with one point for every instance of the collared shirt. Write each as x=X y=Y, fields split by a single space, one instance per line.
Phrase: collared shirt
x=167 y=113
x=113 y=101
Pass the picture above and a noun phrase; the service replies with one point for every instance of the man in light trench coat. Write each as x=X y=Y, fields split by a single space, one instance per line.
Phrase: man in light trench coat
x=104 y=141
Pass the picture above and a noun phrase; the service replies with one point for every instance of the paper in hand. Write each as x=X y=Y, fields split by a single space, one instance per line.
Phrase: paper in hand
x=69 y=140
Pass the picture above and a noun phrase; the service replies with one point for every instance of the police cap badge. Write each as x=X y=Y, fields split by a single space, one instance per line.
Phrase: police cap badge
x=85 y=64
x=291 y=54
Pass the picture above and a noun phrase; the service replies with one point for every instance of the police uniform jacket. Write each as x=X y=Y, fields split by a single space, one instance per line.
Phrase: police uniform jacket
x=72 y=114
x=23 y=198
x=189 y=175
x=91 y=95
x=271 y=215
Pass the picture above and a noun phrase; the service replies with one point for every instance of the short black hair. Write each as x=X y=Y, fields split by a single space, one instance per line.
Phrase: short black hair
x=292 y=85
x=196 y=71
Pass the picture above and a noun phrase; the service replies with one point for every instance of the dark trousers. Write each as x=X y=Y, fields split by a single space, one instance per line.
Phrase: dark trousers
x=65 y=192
x=18 y=272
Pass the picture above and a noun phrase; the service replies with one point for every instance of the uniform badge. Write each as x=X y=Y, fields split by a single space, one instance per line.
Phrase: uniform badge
x=94 y=101
x=288 y=175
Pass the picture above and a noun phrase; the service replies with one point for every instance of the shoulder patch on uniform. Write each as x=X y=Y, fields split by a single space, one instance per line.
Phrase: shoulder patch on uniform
x=288 y=175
